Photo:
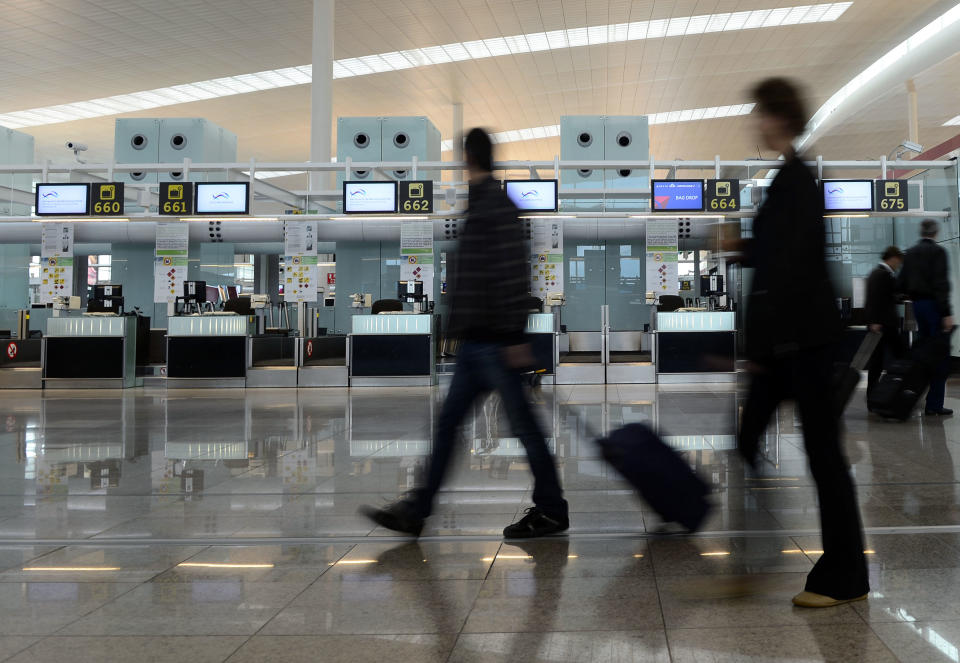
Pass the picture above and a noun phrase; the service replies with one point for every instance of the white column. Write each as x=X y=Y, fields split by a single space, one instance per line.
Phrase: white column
x=457 y=137
x=321 y=90
x=457 y=175
x=913 y=112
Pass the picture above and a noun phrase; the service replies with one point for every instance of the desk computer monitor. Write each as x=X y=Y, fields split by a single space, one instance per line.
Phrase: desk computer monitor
x=195 y=291
x=712 y=285
x=409 y=291
x=106 y=291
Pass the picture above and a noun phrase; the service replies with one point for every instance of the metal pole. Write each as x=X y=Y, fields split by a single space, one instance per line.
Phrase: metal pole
x=321 y=90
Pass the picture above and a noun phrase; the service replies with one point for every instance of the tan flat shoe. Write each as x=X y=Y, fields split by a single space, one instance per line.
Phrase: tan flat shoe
x=812 y=600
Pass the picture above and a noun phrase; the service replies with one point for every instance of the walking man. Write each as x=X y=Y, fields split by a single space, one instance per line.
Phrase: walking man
x=488 y=313
x=881 y=313
x=925 y=280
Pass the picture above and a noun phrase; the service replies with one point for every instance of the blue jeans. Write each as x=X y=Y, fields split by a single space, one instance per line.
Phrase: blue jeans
x=930 y=325
x=481 y=369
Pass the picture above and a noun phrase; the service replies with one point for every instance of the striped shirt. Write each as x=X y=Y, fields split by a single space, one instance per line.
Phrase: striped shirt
x=490 y=289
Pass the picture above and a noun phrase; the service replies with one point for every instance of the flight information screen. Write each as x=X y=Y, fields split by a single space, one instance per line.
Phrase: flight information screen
x=677 y=195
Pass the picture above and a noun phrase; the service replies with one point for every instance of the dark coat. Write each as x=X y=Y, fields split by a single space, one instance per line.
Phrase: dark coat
x=490 y=288
x=925 y=274
x=881 y=308
x=791 y=305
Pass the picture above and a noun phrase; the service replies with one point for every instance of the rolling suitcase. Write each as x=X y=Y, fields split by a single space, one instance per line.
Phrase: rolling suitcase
x=906 y=380
x=847 y=376
x=658 y=472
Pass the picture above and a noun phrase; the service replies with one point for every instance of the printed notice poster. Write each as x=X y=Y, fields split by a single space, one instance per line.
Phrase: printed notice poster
x=300 y=278
x=56 y=261
x=300 y=238
x=170 y=261
x=547 y=260
x=662 y=248
x=416 y=254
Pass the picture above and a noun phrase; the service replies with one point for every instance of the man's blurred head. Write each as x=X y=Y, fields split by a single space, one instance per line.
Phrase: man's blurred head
x=929 y=229
x=478 y=151
x=893 y=256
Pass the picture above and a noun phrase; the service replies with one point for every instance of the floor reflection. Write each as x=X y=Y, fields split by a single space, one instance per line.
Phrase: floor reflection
x=149 y=487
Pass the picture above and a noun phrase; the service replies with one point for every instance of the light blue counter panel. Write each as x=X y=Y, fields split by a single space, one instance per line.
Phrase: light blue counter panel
x=208 y=325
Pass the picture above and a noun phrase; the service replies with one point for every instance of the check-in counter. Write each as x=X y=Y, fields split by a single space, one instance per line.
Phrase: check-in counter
x=696 y=346
x=90 y=352
x=392 y=350
x=207 y=351
x=20 y=363
x=273 y=361
x=324 y=362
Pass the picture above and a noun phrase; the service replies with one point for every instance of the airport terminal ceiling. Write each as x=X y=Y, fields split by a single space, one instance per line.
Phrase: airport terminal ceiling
x=125 y=46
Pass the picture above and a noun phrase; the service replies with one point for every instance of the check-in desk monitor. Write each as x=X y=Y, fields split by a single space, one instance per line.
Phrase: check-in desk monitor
x=410 y=291
x=712 y=284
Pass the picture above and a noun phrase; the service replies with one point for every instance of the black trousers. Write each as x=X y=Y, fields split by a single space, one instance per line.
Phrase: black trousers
x=891 y=346
x=841 y=572
x=481 y=369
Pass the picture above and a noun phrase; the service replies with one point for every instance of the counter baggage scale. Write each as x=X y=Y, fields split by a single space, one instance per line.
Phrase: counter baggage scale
x=90 y=352
x=207 y=351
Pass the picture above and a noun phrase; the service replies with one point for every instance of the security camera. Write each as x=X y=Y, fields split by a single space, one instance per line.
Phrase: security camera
x=913 y=147
x=75 y=146
x=906 y=146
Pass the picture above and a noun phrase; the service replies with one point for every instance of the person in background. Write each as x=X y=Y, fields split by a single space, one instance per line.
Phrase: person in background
x=925 y=279
x=489 y=302
x=792 y=326
x=881 y=313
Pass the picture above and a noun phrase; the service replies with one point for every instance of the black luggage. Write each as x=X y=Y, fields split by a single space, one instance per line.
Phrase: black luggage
x=663 y=478
x=846 y=377
x=906 y=380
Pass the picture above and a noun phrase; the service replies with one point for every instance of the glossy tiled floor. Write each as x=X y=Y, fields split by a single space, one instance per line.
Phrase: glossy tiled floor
x=222 y=526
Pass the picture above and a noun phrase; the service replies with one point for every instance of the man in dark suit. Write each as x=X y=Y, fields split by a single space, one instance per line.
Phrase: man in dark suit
x=925 y=279
x=881 y=313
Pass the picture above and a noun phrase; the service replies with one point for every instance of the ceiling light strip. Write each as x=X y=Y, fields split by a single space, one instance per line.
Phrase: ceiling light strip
x=671 y=117
x=894 y=56
x=431 y=55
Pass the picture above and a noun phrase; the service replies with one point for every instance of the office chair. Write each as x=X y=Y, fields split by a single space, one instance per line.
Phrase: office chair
x=386 y=305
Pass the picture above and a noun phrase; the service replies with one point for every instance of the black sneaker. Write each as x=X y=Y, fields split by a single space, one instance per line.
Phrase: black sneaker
x=399 y=517
x=942 y=412
x=535 y=523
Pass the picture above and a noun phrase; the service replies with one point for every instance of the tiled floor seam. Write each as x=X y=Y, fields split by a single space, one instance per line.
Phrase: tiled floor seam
x=17 y=653
x=93 y=610
x=466 y=617
x=287 y=604
x=656 y=585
